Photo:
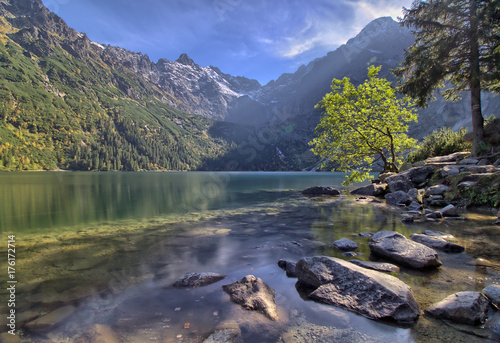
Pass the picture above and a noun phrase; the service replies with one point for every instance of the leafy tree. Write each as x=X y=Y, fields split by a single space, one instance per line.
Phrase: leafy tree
x=362 y=125
x=456 y=41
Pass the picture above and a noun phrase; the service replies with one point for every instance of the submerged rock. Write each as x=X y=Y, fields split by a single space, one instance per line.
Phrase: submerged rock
x=51 y=320
x=288 y=266
x=492 y=292
x=437 y=243
x=396 y=247
x=438 y=234
x=462 y=307
x=345 y=244
x=198 y=279
x=378 y=266
x=253 y=294
x=370 y=293
x=225 y=333
x=319 y=190
x=449 y=211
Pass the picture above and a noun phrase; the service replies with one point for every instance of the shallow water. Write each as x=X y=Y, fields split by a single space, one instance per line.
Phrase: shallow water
x=113 y=244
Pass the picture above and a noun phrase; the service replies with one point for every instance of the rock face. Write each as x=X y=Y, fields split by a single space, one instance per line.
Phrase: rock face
x=254 y=295
x=380 y=267
x=396 y=247
x=437 y=243
x=345 y=244
x=463 y=307
x=370 y=293
x=198 y=279
x=492 y=292
x=319 y=190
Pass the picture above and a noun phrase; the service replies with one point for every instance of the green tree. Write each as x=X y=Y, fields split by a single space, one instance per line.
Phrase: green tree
x=456 y=44
x=362 y=125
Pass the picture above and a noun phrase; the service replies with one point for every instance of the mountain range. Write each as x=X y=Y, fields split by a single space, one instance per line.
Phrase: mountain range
x=68 y=102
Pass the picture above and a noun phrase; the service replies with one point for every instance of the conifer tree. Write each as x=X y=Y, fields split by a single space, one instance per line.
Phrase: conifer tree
x=457 y=45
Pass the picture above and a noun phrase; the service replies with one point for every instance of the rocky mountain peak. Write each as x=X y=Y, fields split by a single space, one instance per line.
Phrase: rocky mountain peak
x=186 y=60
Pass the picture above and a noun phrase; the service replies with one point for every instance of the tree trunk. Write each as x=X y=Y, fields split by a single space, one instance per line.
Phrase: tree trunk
x=475 y=83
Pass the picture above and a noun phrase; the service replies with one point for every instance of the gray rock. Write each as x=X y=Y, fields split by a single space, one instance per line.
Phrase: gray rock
x=378 y=266
x=417 y=195
x=436 y=190
x=434 y=215
x=319 y=190
x=370 y=293
x=467 y=184
x=253 y=294
x=345 y=244
x=370 y=190
x=394 y=246
x=198 y=279
x=400 y=185
x=439 y=203
x=365 y=234
x=397 y=177
x=449 y=211
x=351 y=254
x=468 y=161
x=288 y=266
x=492 y=292
x=383 y=176
x=448 y=158
x=419 y=174
x=228 y=332
x=407 y=220
x=462 y=307
x=449 y=170
x=51 y=320
x=438 y=234
x=415 y=206
x=437 y=243
x=397 y=198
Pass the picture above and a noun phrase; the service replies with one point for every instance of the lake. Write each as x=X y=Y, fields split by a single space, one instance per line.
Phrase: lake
x=107 y=247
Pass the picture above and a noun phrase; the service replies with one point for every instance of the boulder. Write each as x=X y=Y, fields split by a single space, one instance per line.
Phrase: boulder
x=397 y=198
x=436 y=190
x=407 y=220
x=419 y=174
x=198 y=279
x=449 y=170
x=448 y=158
x=400 y=185
x=438 y=234
x=492 y=292
x=468 y=161
x=449 y=211
x=345 y=244
x=288 y=266
x=414 y=206
x=383 y=176
x=370 y=293
x=462 y=307
x=365 y=234
x=378 y=266
x=370 y=190
x=319 y=190
x=437 y=243
x=253 y=294
x=396 y=247
x=51 y=320
x=439 y=203
x=417 y=194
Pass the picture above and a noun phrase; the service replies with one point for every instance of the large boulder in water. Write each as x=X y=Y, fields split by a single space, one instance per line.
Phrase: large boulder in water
x=462 y=307
x=397 y=198
x=370 y=293
x=396 y=247
x=437 y=243
x=253 y=294
x=198 y=279
x=319 y=190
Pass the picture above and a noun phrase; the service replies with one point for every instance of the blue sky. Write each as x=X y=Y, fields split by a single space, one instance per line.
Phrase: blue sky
x=259 y=39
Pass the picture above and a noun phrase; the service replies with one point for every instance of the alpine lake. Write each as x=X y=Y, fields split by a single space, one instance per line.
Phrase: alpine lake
x=109 y=246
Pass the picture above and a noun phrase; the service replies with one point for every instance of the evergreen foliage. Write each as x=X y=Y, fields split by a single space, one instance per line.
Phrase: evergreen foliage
x=362 y=125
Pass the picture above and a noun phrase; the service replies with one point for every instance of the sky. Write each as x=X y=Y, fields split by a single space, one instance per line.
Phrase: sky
x=259 y=39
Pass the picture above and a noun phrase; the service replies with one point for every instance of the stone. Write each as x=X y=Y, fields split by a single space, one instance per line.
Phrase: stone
x=462 y=307
x=434 y=215
x=228 y=332
x=417 y=195
x=198 y=279
x=492 y=292
x=378 y=266
x=400 y=185
x=439 y=203
x=448 y=158
x=253 y=294
x=468 y=161
x=437 y=243
x=288 y=266
x=99 y=334
x=449 y=170
x=419 y=174
x=367 y=292
x=397 y=177
x=449 y=211
x=414 y=206
x=407 y=220
x=438 y=234
x=365 y=234
x=345 y=244
x=467 y=184
x=351 y=254
x=383 y=176
x=397 y=198
x=396 y=247
x=436 y=190
x=51 y=320
x=319 y=190
x=370 y=190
